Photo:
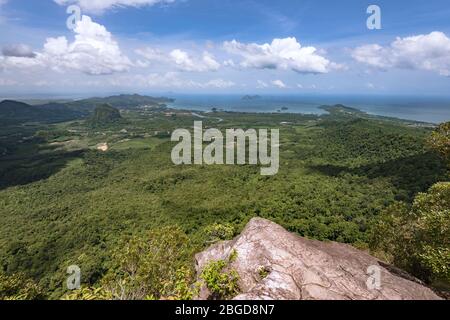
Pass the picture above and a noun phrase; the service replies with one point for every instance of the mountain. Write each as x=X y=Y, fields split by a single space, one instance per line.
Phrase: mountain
x=18 y=112
x=272 y=263
x=105 y=114
x=15 y=110
x=124 y=101
x=12 y=112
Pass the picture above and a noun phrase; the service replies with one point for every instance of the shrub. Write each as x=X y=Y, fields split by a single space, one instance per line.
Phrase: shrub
x=89 y=294
x=263 y=272
x=154 y=267
x=18 y=287
x=220 y=279
x=217 y=232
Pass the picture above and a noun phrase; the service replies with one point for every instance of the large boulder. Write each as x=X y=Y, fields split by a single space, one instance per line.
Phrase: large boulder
x=273 y=263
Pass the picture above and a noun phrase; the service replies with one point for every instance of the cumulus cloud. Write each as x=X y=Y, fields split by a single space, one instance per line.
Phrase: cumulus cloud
x=180 y=59
x=279 y=84
x=430 y=52
x=93 y=52
x=18 y=50
x=285 y=54
x=185 y=63
x=20 y=62
x=229 y=63
x=100 y=6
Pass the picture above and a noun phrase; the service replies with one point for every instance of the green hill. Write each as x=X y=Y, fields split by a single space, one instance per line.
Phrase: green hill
x=10 y=109
x=18 y=112
x=105 y=114
x=13 y=112
x=124 y=101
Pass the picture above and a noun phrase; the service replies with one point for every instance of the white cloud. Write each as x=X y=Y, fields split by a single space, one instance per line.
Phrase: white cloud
x=20 y=63
x=142 y=64
x=185 y=63
x=280 y=84
x=229 y=63
x=180 y=59
x=429 y=52
x=93 y=52
x=285 y=54
x=152 y=54
x=261 y=84
x=99 y=6
x=18 y=50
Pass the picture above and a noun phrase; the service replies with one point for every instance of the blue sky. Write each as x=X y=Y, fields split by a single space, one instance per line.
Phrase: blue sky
x=221 y=46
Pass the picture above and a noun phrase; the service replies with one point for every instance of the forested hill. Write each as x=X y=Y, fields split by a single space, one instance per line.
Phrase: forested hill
x=17 y=112
x=104 y=115
x=124 y=101
x=344 y=112
x=12 y=112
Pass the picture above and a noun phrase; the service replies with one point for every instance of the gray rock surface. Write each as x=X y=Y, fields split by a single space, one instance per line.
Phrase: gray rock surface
x=303 y=269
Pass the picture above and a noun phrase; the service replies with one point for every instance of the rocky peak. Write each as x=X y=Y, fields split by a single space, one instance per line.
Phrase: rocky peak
x=273 y=263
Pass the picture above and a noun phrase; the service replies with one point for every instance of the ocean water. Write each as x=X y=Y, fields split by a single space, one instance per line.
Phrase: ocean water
x=426 y=109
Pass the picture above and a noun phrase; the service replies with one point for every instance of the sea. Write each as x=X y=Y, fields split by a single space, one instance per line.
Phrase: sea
x=430 y=109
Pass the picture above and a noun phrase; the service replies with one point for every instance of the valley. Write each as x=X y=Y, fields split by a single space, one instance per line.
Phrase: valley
x=66 y=201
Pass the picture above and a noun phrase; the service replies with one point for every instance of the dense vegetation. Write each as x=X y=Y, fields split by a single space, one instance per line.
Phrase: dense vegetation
x=65 y=203
x=417 y=238
x=104 y=115
x=18 y=112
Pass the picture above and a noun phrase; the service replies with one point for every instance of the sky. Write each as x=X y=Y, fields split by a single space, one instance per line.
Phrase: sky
x=86 y=47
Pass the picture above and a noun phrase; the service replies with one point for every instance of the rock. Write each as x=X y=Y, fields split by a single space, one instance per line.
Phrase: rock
x=103 y=147
x=295 y=268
